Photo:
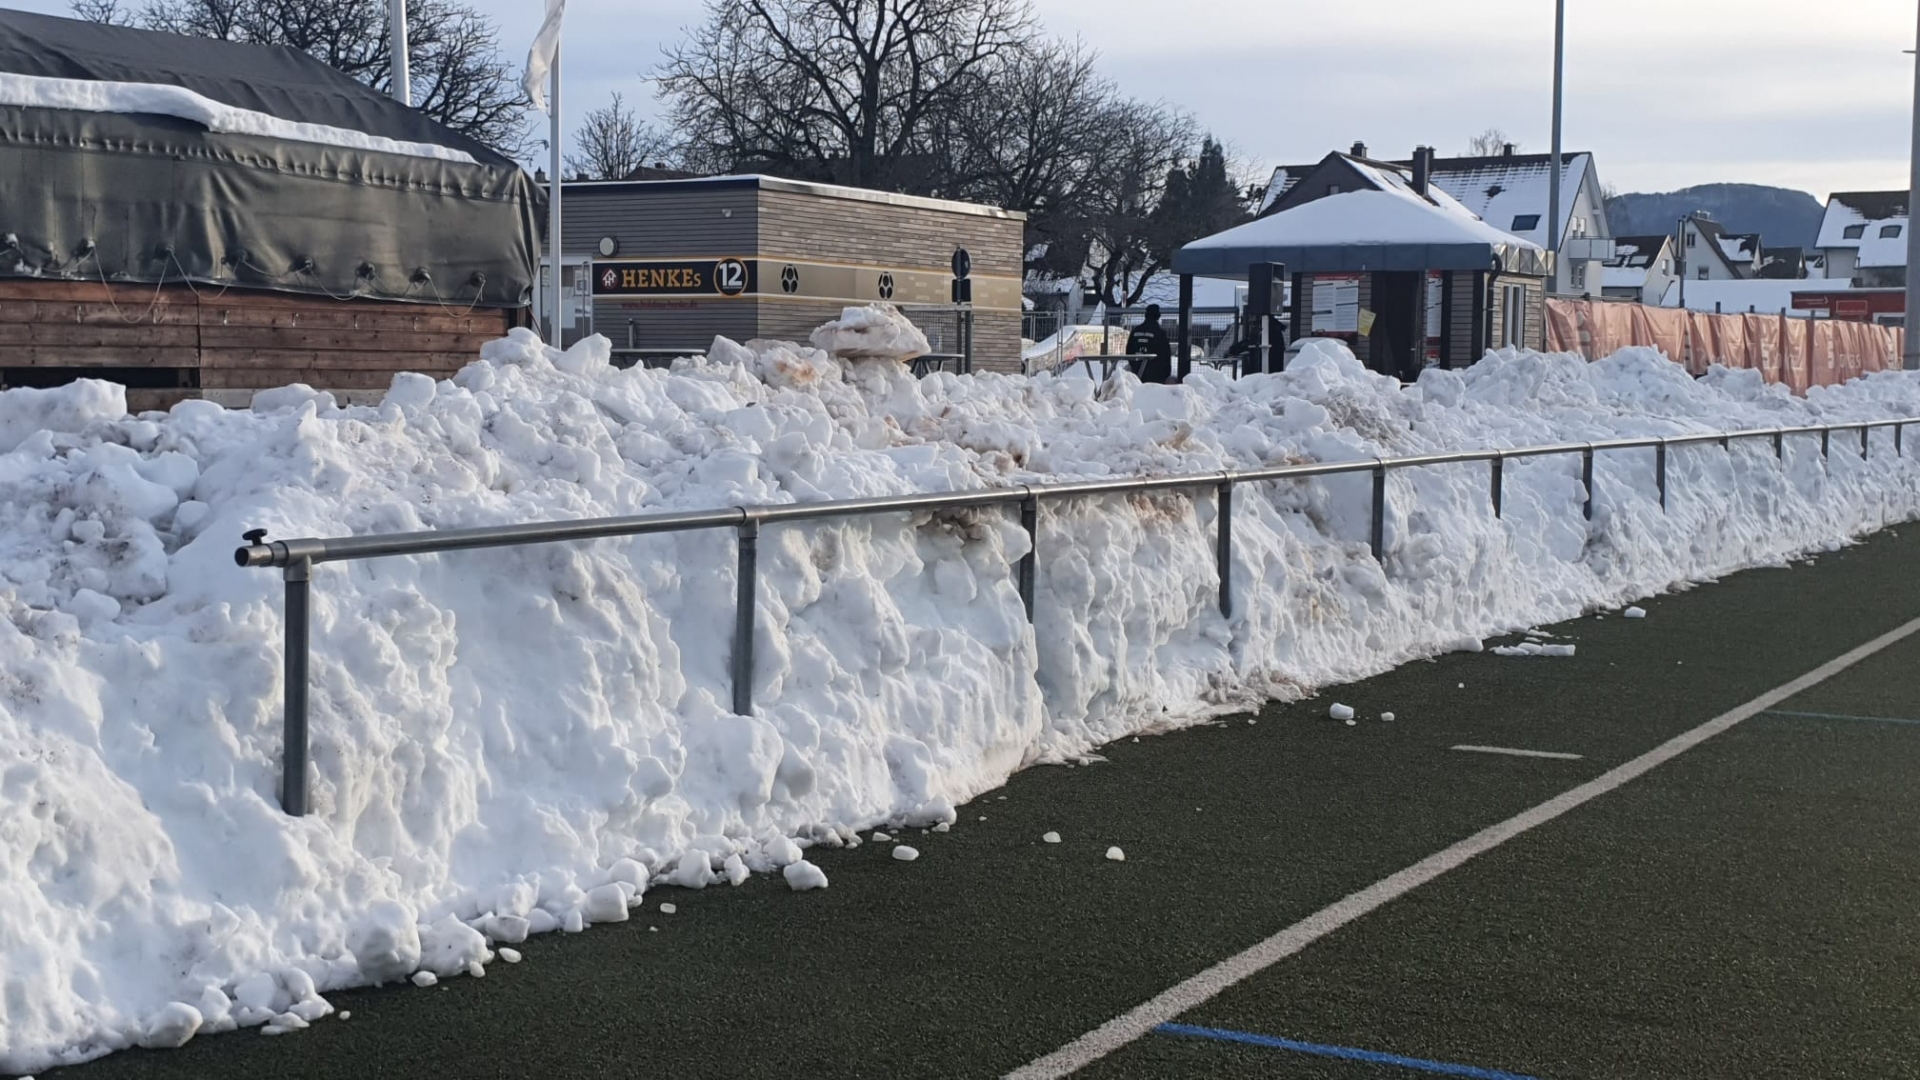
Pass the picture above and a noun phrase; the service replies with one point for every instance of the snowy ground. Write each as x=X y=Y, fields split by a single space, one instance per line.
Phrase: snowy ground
x=522 y=740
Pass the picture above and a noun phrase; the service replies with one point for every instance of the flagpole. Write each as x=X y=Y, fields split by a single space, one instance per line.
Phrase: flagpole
x=397 y=45
x=554 y=247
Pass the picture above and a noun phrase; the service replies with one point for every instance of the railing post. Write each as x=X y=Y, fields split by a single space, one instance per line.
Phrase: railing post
x=1030 y=562
x=1779 y=444
x=744 y=590
x=1224 y=550
x=1826 y=436
x=1378 y=536
x=1863 y=441
x=293 y=769
x=1660 y=470
x=1499 y=482
x=1898 y=429
x=1586 y=478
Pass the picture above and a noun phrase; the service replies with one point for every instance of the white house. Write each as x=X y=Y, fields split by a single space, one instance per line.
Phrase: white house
x=1709 y=252
x=1864 y=237
x=1509 y=191
x=1641 y=268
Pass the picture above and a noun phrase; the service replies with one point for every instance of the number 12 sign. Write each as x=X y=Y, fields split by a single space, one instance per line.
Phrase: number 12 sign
x=676 y=277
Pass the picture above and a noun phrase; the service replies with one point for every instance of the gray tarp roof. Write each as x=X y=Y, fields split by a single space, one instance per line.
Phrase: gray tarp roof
x=1363 y=230
x=135 y=196
x=272 y=79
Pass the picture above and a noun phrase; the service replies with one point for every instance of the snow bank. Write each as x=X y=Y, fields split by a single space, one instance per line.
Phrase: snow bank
x=509 y=742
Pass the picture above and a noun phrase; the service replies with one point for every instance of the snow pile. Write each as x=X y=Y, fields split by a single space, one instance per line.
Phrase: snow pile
x=874 y=332
x=516 y=741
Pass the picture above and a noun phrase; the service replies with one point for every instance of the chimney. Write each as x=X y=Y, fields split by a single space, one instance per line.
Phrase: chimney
x=1507 y=150
x=1422 y=169
x=1360 y=149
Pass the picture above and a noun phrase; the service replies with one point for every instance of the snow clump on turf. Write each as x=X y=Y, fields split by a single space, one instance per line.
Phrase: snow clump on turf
x=522 y=740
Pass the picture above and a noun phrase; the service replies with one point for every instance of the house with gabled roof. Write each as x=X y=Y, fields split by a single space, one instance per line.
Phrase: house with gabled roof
x=1864 y=237
x=1509 y=191
x=1708 y=252
x=1641 y=268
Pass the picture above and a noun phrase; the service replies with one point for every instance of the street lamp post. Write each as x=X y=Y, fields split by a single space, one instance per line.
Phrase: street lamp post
x=1553 y=174
x=1911 y=358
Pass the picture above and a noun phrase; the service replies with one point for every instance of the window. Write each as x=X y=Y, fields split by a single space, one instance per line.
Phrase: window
x=1579 y=226
x=1888 y=232
x=1513 y=315
x=1579 y=275
x=1703 y=273
x=1525 y=222
x=1664 y=264
x=1691 y=237
x=1854 y=232
x=1333 y=189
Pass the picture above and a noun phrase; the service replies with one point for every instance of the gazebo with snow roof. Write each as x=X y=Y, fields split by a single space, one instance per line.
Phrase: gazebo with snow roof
x=1385 y=261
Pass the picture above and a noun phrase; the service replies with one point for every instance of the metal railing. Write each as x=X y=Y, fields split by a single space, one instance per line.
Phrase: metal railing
x=297 y=558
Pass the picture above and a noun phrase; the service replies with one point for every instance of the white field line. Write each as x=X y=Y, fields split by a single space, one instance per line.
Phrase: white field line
x=1511 y=752
x=1201 y=988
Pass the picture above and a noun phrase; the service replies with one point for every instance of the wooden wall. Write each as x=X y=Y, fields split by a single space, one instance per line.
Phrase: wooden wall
x=173 y=342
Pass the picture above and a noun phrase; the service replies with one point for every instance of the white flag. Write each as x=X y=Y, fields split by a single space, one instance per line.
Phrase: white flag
x=546 y=46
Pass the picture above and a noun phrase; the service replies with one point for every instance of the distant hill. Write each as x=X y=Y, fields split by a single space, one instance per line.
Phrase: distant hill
x=1782 y=216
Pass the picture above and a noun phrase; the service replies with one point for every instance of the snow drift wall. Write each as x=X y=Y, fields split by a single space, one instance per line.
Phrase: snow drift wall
x=512 y=741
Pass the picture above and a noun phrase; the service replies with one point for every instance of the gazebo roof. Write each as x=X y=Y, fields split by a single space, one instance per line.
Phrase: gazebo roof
x=1364 y=230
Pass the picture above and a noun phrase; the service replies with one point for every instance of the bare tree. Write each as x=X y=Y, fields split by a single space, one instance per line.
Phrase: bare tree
x=844 y=90
x=1126 y=246
x=1489 y=143
x=613 y=142
x=102 y=11
x=1030 y=137
x=459 y=77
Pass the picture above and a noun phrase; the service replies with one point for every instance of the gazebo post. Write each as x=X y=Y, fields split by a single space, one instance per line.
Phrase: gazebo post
x=1186 y=326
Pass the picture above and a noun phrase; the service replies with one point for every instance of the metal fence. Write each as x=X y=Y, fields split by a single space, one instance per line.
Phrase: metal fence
x=297 y=558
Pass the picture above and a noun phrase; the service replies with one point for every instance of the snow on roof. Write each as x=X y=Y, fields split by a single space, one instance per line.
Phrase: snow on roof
x=155 y=99
x=1208 y=292
x=1362 y=219
x=1768 y=296
x=1738 y=247
x=1506 y=191
x=1869 y=211
x=1283 y=178
x=1636 y=251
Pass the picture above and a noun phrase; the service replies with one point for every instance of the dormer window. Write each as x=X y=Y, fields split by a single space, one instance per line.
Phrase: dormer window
x=1854 y=232
x=1525 y=222
x=1888 y=232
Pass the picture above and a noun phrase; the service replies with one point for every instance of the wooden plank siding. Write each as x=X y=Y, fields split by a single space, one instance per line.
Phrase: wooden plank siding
x=174 y=342
x=1465 y=300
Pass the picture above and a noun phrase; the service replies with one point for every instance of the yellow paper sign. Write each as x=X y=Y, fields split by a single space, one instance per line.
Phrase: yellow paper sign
x=1366 y=322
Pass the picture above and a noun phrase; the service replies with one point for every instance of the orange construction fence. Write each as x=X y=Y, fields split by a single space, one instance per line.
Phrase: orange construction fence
x=1798 y=352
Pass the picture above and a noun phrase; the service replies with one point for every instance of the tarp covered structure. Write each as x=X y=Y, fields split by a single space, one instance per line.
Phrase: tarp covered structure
x=1363 y=231
x=273 y=171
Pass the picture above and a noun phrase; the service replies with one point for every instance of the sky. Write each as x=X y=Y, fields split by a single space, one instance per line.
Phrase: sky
x=1665 y=93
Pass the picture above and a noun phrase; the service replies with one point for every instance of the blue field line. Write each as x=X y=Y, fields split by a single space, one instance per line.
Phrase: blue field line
x=1841 y=716
x=1346 y=1053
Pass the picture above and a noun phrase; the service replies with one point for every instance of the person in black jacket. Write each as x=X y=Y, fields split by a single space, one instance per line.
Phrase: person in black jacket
x=1149 y=339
